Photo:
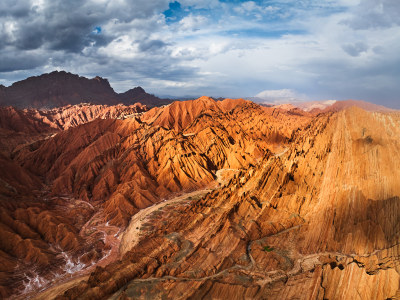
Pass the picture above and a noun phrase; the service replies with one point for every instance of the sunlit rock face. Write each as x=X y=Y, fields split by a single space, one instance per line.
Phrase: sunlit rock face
x=261 y=203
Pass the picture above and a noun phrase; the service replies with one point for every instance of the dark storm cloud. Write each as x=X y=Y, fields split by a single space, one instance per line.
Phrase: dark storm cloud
x=61 y=25
x=15 y=9
x=152 y=45
x=155 y=67
x=11 y=61
x=66 y=25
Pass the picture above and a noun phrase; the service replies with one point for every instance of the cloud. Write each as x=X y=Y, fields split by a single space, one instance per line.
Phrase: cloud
x=192 y=23
x=11 y=61
x=204 y=4
x=151 y=46
x=281 y=96
x=322 y=49
x=374 y=14
x=15 y=9
x=355 y=49
x=252 y=8
x=69 y=25
x=95 y=36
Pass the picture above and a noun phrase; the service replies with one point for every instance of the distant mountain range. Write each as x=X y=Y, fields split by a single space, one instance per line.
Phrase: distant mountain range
x=61 y=88
x=333 y=106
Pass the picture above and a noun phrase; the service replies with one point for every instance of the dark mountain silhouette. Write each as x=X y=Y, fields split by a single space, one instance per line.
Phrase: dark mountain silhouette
x=61 y=88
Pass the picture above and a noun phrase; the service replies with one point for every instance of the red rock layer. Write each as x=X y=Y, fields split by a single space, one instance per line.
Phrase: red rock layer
x=180 y=114
x=40 y=235
x=21 y=127
x=18 y=127
x=317 y=221
x=43 y=239
x=130 y=165
x=59 y=192
x=73 y=115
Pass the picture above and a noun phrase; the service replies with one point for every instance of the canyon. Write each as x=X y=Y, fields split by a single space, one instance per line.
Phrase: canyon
x=200 y=199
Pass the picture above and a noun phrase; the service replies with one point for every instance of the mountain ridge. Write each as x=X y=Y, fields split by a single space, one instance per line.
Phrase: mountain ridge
x=60 y=88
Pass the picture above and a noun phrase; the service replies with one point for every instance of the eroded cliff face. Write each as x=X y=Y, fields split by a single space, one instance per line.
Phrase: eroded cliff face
x=317 y=220
x=73 y=115
x=19 y=128
x=73 y=194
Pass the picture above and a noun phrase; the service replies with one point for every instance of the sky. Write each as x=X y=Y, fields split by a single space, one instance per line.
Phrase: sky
x=279 y=51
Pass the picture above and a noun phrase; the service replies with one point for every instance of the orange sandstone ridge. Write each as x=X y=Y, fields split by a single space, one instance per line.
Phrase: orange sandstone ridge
x=261 y=203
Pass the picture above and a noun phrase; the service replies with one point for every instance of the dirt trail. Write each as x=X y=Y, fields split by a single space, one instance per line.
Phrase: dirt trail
x=59 y=288
x=131 y=236
x=281 y=153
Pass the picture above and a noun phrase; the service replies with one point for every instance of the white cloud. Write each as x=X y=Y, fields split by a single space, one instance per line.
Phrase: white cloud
x=122 y=47
x=192 y=23
x=374 y=14
x=281 y=96
x=252 y=7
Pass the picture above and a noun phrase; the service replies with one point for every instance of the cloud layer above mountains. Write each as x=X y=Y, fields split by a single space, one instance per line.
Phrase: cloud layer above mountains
x=323 y=49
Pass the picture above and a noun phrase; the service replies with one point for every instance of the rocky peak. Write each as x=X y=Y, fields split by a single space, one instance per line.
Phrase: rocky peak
x=205 y=99
x=102 y=81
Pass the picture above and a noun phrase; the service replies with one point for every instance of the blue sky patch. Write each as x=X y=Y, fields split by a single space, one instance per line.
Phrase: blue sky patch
x=97 y=30
x=175 y=12
x=260 y=33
